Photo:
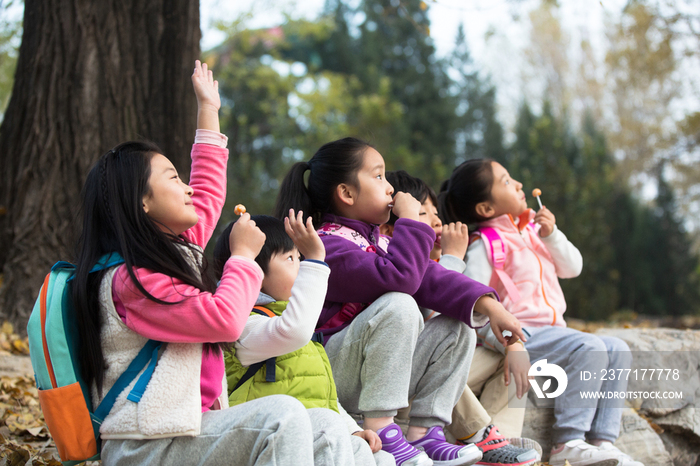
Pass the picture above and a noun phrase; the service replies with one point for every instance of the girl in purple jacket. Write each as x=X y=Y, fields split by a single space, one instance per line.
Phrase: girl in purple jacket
x=381 y=352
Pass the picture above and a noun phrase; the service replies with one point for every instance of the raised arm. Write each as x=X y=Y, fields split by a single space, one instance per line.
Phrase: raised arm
x=208 y=101
x=209 y=157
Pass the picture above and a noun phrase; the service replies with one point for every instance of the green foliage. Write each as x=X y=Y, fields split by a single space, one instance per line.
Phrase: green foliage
x=371 y=72
x=10 y=34
x=383 y=85
x=635 y=257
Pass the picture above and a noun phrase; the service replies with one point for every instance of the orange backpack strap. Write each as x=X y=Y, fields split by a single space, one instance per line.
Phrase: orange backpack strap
x=270 y=367
x=263 y=311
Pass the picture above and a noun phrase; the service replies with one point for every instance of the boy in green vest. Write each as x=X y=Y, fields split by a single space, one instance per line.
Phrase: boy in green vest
x=278 y=352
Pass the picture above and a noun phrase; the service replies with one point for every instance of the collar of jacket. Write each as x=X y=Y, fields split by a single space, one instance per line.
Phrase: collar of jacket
x=369 y=231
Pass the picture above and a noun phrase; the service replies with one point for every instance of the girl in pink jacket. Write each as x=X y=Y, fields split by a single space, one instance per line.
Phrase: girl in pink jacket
x=535 y=254
x=136 y=206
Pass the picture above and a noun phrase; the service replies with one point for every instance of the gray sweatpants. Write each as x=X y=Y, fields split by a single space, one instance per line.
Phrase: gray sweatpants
x=576 y=351
x=275 y=430
x=387 y=355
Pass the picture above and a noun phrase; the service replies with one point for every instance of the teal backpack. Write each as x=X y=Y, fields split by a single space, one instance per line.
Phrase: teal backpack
x=53 y=348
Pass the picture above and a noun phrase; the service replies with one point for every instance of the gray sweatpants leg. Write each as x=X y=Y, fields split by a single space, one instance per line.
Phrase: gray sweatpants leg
x=576 y=351
x=332 y=442
x=372 y=357
x=365 y=457
x=606 y=422
x=441 y=361
x=275 y=430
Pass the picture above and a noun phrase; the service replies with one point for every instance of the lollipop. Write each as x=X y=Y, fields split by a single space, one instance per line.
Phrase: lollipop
x=239 y=209
x=537 y=193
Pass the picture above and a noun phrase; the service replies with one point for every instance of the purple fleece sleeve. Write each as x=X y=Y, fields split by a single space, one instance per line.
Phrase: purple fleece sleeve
x=362 y=277
x=452 y=293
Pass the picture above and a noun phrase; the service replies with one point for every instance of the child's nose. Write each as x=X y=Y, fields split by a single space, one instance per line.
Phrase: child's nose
x=188 y=190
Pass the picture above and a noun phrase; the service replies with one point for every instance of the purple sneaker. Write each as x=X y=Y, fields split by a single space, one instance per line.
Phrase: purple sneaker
x=444 y=453
x=403 y=452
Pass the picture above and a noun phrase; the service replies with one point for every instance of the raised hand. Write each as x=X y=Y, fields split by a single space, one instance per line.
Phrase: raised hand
x=246 y=239
x=406 y=206
x=205 y=87
x=545 y=218
x=208 y=100
x=304 y=236
x=455 y=239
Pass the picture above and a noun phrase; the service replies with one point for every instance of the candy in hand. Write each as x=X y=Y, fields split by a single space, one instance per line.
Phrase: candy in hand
x=239 y=209
x=537 y=193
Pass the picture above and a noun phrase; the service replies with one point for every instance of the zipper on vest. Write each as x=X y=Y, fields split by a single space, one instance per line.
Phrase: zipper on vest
x=554 y=312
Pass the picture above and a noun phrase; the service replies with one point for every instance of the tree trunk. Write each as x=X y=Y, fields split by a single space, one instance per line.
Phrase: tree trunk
x=90 y=74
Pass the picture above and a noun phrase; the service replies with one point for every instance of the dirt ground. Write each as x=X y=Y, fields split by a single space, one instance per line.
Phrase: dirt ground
x=24 y=438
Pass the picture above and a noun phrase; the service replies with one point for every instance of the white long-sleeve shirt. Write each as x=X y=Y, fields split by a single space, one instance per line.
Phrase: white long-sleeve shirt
x=266 y=337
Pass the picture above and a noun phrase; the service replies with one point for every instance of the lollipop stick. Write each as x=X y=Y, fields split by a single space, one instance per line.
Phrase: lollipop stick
x=539 y=202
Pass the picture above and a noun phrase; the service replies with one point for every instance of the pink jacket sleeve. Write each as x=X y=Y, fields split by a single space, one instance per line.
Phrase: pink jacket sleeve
x=208 y=180
x=200 y=317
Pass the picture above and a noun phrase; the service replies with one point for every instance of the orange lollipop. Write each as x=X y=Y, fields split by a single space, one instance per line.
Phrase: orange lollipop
x=239 y=209
x=537 y=193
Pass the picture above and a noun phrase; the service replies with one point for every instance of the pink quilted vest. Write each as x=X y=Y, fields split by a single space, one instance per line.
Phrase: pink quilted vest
x=527 y=266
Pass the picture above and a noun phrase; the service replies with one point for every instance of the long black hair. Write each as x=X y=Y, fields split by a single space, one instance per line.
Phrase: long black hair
x=276 y=241
x=114 y=221
x=334 y=163
x=469 y=184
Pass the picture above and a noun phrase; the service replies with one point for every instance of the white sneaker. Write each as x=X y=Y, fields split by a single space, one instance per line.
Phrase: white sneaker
x=579 y=453
x=623 y=458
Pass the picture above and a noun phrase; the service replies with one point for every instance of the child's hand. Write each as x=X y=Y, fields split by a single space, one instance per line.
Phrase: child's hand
x=205 y=88
x=305 y=237
x=375 y=443
x=518 y=362
x=500 y=319
x=208 y=101
x=406 y=206
x=455 y=239
x=246 y=239
x=545 y=218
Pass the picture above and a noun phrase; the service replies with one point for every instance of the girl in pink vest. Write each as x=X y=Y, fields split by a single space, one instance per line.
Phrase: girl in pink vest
x=522 y=255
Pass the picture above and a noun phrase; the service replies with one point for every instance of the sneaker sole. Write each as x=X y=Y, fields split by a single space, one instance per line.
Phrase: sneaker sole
x=610 y=462
x=524 y=463
x=461 y=461
x=423 y=460
x=527 y=444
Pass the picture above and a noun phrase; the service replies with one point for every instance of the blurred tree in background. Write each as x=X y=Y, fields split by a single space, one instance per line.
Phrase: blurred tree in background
x=89 y=75
x=591 y=131
x=10 y=34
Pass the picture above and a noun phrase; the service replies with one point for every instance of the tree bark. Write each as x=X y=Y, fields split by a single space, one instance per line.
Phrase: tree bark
x=90 y=74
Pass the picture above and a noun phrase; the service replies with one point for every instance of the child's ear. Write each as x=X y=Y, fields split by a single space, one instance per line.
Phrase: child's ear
x=386 y=229
x=485 y=209
x=145 y=204
x=345 y=193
